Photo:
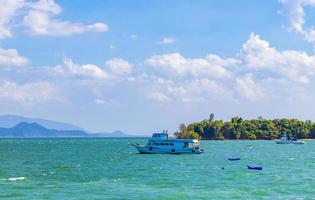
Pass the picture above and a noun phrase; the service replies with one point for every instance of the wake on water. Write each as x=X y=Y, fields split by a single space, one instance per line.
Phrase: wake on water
x=14 y=179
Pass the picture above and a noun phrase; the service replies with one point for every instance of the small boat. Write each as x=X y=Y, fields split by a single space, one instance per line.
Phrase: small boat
x=289 y=140
x=234 y=159
x=159 y=143
x=254 y=167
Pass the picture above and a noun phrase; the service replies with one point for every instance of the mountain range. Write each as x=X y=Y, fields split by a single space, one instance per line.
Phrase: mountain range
x=22 y=127
x=8 y=121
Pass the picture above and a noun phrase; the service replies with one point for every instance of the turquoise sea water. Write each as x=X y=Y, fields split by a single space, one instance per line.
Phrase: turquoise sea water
x=109 y=169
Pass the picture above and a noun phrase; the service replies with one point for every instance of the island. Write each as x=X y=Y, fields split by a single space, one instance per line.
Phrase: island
x=246 y=129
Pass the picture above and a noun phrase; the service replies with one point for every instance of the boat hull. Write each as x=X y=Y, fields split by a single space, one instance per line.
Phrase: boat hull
x=289 y=142
x=151 y=150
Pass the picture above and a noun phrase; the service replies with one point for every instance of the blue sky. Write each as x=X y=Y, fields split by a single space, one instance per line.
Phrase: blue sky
x=144 y=66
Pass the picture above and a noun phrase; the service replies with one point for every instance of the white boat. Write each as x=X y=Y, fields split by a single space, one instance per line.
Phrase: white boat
x=161 y=144
x=288 y=140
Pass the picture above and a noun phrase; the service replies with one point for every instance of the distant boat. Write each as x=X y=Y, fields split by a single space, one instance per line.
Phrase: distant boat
x=161 y=144
x=234 y=159
x=254 y=167
x=289 y=140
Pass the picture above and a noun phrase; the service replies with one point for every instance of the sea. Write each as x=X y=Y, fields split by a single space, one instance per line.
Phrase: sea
x=112 y=169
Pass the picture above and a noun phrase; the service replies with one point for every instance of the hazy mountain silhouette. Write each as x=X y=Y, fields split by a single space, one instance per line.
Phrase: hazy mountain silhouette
x=8 y=121
x=34 y=130
x=13 y=126
x=112 y=134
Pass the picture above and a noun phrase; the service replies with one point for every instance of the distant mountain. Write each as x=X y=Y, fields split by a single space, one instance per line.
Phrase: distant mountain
x=8 y=121
x=34 y=130
x=112 y=134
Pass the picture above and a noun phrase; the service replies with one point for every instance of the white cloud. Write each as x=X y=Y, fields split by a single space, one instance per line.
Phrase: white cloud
x=167 y=40
x=40 y=21
x=157 y=96
x=86 y=70
x=119 y=66
x=101 y=102
x=47 y=6
x=294 y=11
x=8 y=10
x=195 y=90
x=29 y=93
x=257 y=71
x=97 y=27
x=247 y=74
x=257 y=54
x=246 y=87
x=175 y=63
x=10 y=57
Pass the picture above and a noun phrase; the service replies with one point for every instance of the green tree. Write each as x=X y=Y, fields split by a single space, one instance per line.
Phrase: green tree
x=238 y=128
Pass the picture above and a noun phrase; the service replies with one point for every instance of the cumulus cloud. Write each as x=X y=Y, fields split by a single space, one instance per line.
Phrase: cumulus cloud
x=28 y=93
x=294 y=11
x=257 y=54
x=40 y=21
x=85 y=70
x=247 y=75
x=119 y=66
x=10 y=57
x=8 y=10
x=246 y=87
x=195 y=90
x=257 y=71
x=175 y=63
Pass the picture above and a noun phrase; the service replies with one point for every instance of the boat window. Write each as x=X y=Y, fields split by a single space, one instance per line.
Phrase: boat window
x=166 y=144
x=162 y=143
x=186 y=145
x=157 y=143
x=172 y=144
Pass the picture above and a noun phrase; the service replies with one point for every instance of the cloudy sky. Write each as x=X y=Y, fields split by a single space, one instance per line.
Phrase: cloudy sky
x=143 y=66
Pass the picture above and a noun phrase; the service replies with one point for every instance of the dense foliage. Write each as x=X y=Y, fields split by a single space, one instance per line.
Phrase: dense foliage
x=238 y=128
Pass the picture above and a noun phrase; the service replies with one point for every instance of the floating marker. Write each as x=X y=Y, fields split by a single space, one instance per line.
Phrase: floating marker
x=254 y=167
x=234 y=159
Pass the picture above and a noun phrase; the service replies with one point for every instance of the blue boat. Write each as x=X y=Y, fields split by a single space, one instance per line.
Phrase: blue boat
x=254 y=167
x=234 y=159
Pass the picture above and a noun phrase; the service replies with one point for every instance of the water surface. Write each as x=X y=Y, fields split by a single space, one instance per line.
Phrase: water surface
x=110 y=169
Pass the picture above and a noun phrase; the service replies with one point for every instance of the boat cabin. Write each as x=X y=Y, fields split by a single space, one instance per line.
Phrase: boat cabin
x=160 y=136
x=156 y=142
x=161 y=143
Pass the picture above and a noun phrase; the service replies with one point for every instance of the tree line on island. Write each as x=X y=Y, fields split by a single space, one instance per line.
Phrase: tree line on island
x=244 y=129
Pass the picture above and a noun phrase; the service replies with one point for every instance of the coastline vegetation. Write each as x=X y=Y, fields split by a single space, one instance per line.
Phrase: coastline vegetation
x=246 y=129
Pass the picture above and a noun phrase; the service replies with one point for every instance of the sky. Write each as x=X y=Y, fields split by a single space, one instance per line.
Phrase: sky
x=145 y=66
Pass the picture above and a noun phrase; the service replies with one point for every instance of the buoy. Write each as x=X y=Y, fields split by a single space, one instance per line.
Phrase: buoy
x=254 y=167
x=234 y=159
